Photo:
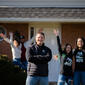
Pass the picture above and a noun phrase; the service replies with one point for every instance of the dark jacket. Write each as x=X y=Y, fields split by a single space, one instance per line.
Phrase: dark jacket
x=38 y=59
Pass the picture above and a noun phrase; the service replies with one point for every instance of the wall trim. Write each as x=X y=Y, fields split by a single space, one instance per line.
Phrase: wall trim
x=40 y=20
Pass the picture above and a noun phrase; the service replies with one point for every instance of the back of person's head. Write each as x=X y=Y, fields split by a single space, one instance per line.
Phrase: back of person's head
x=22 y=38
x=16 y=35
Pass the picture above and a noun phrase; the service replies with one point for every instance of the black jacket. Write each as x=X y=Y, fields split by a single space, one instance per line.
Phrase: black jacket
x=38 y=59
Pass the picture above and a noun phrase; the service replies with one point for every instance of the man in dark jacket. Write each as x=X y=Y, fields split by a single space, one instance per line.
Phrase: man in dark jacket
x=39 y=56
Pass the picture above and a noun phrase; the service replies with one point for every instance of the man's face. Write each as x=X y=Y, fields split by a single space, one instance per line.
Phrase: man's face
x=40 y=39
x=22 y=40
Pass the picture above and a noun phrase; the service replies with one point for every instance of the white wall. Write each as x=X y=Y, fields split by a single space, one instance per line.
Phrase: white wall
x=43 y=3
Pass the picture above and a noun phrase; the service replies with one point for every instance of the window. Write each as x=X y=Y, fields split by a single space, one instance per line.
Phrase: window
x=31 y=32
x=2 y=30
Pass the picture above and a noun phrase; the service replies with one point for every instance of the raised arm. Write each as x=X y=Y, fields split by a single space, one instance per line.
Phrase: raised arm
x=11 y=36
x=10 y=41
x=28 y=43
x=58 y=41
x=5 y=38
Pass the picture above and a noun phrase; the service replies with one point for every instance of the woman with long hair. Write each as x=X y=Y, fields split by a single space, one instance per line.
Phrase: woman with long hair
x=15 y=47
x=79 y=59
x=66 y=58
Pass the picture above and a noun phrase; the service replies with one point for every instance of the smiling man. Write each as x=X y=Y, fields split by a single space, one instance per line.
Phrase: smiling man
x=39 y=56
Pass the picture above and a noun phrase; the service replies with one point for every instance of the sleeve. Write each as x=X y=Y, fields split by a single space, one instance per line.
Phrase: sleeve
x=59 y=45
x=46 y=58
x=74 y=51
x=73 y=64
x=7 y=40
x=28 y=43
x=27 y=53
x=11 y=38
x=10 y=41
x=39 y=58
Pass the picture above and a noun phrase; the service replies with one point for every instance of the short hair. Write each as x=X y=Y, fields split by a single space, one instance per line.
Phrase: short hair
x=41 y=33
x=22 y=37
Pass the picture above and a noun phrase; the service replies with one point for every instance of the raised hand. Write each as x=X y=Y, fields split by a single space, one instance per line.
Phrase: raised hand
x=55 y=57
x=56 y=32
x=40 y=30
x=10 y=33
x=2 y=35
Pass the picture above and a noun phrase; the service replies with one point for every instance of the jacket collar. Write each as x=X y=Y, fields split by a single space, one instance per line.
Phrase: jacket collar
x=39 y=45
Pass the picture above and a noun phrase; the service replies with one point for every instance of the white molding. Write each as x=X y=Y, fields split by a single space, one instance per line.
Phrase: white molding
x=42 y=6
x=43 y=3
x=8 y=20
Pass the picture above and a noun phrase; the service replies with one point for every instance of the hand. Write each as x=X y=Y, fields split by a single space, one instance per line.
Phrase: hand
x=10 y=33
x=40 y=30
x=2 y=35
x=56 y=32
x=55 y=57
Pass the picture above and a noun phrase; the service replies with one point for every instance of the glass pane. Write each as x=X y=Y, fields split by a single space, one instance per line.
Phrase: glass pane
x=31 y=32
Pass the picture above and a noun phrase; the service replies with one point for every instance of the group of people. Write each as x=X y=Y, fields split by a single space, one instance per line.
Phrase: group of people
x=72 y=63
x=19 y=48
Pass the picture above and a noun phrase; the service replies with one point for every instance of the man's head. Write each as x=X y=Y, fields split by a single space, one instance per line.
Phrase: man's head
x=40 y=37
x=22 y=39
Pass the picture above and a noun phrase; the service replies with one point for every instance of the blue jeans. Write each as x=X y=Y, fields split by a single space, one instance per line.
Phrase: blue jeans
x=17 y=61
x=79 y=78
x=24 y=65
x=36 y=80
x=64 y=80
